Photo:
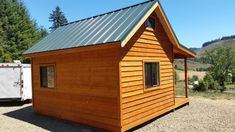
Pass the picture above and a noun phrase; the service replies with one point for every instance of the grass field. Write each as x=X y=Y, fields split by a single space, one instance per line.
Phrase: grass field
x=230 y=86
x=180 y=91
x=193 y=66
x=200 y=74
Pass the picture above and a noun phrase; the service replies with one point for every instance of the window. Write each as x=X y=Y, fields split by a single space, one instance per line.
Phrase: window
x=152 y=78
x=150 y=23
x=47 y=76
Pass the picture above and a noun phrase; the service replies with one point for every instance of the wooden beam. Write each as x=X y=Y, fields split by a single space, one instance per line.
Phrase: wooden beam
x=173 y=70
x=186 y=77
x=32 y=82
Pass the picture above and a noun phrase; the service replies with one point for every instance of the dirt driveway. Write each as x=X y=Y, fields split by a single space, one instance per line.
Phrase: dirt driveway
x=200 y=115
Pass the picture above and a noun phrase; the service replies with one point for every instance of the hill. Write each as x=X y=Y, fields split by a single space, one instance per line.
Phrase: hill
x=228 y=42
x=224 y=41
x=194 y=64
x=194 y=49
x=217 y=40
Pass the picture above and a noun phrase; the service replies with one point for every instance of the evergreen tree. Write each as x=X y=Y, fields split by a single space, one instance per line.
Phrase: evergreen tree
x=17 y=31
x=57 y=18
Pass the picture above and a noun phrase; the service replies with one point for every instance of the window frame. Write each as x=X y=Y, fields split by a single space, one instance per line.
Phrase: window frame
x=146 y=23
x=55 y=79
x=154 y=87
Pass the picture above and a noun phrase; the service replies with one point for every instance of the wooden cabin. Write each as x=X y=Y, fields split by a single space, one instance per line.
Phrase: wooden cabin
x=113 y=71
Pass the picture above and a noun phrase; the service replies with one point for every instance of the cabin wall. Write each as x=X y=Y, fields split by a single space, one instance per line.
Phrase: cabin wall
x=87 y=88
x=139 y=105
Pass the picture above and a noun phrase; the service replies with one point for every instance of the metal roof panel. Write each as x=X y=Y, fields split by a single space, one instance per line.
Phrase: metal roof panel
x=108 y=27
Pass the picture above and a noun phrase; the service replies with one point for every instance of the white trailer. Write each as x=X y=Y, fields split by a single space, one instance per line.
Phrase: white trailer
x=15 y=81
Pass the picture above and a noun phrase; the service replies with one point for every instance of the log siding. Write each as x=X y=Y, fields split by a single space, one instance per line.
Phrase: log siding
x=139 y=104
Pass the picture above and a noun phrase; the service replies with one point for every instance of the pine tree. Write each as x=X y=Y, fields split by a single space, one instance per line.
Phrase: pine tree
x=57 y=18
x=17 y=31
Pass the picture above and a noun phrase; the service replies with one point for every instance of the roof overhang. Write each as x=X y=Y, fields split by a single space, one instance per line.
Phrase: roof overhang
x=75 y=50
x=181 y=52
x=186 y=53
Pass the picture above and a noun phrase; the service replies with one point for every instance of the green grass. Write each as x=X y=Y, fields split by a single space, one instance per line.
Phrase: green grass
x=180 y=91
x=231 y=86
x=212 y=95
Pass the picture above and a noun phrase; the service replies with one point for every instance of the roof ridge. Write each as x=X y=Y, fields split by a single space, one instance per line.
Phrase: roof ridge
x=76 y=21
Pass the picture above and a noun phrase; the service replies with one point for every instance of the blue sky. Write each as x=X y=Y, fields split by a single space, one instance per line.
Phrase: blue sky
x=194 y=21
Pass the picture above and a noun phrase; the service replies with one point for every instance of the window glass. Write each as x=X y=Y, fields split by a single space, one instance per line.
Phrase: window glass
x=150 y=23
x=47 y=76
x=148 y=75
x=152 y=74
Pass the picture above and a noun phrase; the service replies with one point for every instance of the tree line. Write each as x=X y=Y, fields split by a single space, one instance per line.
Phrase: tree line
x=18 y=32
x=217 y=40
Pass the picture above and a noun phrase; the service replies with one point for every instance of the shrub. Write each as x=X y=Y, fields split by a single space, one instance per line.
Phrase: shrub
x=222 y=88
x=190 y=80
x=201 y=69
x=212 y=84
x=233 y=78
x=228 y=78
x=195 y=78
x=201 y=86
x=208 y=78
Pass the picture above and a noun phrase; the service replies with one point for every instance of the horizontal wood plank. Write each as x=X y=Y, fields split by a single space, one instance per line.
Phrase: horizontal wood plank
x=148 y=113
x=147 y=108
x=146 y=95
x=131 y=73
x=146 y=99
x=86 y=88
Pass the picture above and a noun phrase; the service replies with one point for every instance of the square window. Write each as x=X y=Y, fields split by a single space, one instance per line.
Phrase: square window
x=47 y=76
x=151 y=74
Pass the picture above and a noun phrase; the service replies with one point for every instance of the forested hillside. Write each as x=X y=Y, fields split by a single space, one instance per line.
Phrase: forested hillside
x=18 y=31
x=221 y=42
x=224 y=41
x=218 y=40
x=196 y=63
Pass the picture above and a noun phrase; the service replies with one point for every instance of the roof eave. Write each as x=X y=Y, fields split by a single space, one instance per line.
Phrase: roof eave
x=189 y=53
x=116 y=44
x=170 y=32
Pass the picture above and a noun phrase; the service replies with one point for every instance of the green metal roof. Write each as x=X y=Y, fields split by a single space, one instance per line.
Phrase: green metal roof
x=108 y=27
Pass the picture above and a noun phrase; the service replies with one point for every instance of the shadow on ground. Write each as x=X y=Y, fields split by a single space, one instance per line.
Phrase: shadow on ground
x=13 y=103
x=26 y=114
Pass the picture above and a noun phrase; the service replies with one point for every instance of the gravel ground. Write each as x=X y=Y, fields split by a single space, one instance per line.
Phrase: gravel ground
x=200 y=115
x=19 y=117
